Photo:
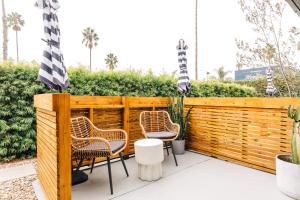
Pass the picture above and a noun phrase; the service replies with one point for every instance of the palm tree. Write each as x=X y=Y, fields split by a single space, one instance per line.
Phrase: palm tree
x=196 y=39
x=90 y=38
x=222 y=73
x=5 y=31
x=15 y=22
x=111 y=61
x=239 y=66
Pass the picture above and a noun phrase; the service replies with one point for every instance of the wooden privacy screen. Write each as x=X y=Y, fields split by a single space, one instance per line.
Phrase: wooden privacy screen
x=53 y=113
x=248 y=131
x=53 y=144
x=116 y=112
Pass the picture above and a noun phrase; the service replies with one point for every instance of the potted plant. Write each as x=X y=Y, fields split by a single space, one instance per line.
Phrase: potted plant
x=288 y=166
x=179 y=116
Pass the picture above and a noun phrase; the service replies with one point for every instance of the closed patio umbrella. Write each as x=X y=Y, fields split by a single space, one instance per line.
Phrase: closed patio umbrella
x=53 y=71
x=183 y=84
x=271 y=89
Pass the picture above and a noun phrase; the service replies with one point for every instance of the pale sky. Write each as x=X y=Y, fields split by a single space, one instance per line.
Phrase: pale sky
x=142 y=33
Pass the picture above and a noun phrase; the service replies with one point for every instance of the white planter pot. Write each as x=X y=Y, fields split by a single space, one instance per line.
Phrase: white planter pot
x=178 y=146
x=288 y=176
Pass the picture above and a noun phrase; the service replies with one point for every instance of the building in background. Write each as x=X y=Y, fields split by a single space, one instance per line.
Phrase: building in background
x=249 y=74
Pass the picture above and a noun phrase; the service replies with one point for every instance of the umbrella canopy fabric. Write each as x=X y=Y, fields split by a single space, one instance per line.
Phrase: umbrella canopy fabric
x=183 y=84
x=52 y=72
x=271 y=89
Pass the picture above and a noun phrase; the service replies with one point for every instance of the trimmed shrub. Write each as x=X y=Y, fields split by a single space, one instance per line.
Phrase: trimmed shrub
x=260 y=85
x=18 y=85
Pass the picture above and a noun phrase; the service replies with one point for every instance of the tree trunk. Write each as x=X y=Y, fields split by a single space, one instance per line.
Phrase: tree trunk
x=285 y=77
x=196 y=40
x=17 y=44
x=90 y=59
x=5 y=32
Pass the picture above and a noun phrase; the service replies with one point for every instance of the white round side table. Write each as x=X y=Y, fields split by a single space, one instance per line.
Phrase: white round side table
x=149 y=155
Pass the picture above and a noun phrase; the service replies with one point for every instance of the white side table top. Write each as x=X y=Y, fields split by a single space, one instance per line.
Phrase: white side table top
x=148 y=142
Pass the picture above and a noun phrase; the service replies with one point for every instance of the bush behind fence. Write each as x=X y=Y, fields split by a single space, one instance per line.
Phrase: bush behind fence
x=18 y=85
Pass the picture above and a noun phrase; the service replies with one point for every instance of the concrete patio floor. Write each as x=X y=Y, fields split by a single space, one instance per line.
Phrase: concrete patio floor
x=196 y=177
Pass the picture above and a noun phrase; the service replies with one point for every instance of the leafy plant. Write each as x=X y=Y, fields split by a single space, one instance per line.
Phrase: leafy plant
x=179 y=115
x=295 y=115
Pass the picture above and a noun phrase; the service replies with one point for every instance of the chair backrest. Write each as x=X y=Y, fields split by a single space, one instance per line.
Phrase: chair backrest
x=154 y=121
x=81 y=128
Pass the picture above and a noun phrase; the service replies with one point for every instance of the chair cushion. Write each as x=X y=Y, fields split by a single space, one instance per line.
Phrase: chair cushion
x=115 y=146
x=161 y=135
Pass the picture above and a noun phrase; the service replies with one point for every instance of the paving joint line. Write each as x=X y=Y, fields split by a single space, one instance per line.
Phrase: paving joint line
x=163 y=177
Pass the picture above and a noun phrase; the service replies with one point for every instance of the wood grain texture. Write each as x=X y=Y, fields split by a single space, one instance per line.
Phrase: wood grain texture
x=47 y=162
x=248 y=131
x=43 y=101
x=126 y=111
x=116 y=112
x=53 y=145
x=62 y=108
x=95 y=101
x=275 y=103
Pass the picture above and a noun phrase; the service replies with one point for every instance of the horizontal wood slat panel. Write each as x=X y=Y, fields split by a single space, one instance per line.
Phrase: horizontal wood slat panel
x=47 y=162
x=248 y=131
x=94 y=101
x=108 y=113
x=275 y=103
x=53 y=145
x=44 y=101
x=108 y=118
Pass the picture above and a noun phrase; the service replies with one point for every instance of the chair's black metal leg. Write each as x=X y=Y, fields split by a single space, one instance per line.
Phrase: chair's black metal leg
x=109 y=174
x=122 y=159
x=173 y=153
x=79 y=165
x=167 y=148
x=93 y=163
x=71 y=165
x=125 y=157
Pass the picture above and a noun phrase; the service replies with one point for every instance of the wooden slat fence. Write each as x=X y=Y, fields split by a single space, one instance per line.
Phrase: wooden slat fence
x=247 y=131
x=116 y=112
x=53 y=144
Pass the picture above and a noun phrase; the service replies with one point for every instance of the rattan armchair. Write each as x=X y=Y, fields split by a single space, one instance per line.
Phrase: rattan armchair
x=89 y=142
x=158 y=124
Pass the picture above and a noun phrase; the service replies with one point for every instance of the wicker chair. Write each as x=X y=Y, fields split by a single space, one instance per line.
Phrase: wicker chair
x=158 y=124
x=89 y=142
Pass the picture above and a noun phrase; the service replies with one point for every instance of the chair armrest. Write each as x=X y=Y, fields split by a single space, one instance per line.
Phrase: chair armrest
x=90 y=139
x=173 y=127
x=111 y=134
x=143 y=130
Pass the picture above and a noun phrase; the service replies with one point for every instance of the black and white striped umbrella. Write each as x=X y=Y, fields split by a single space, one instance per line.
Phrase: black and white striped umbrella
x=271 y=89
x=53 y=71
x=183 y=84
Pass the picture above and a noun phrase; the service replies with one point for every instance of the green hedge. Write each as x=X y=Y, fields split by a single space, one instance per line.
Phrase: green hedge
x=260 y=85
x=18 y=85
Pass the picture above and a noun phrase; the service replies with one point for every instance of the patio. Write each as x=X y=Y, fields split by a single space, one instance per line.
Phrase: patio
x=248 y=132
x=196 y=177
